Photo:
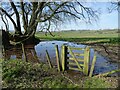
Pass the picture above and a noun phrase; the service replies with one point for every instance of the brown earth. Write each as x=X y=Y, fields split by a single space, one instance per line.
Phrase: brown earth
x=109 y=51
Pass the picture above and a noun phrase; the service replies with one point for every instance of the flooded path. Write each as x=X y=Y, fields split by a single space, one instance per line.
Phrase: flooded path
x=37 y=54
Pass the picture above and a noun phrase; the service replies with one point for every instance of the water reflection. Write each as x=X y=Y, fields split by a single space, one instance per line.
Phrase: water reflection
x=37 y=54
x=17 y=53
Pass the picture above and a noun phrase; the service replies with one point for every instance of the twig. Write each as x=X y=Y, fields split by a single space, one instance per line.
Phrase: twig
x=69 y=79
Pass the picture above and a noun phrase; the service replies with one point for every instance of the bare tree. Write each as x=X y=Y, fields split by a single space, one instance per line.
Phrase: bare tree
x=5 y=21
x=114 y=6
x=45 y=14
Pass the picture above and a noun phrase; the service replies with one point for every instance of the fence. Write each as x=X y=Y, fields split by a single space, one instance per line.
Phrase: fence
x=75 y=59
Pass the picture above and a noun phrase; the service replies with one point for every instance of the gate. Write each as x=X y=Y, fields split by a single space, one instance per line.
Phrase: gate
x=73 y=58
x=77 y=59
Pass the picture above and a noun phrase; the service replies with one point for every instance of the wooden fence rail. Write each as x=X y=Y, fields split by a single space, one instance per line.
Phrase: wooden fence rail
x=64 y=57
x=24 y=53
x=86 y=60
x=93 y=65
x=58 y=58
x=71 y=59
x=75 y=59
x=48 y=59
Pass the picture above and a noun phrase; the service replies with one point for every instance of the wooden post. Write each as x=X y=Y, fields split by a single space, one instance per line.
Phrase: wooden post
x=86 y=60
x=48 y=59
x=57 y=58
x=24 y=54
x=107 y=73
x=93 y=65
x=64 y=57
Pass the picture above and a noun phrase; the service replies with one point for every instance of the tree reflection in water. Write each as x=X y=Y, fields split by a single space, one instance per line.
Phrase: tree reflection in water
x=17 y=53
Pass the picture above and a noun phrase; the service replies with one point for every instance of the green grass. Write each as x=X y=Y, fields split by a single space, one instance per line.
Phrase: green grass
x=96 y=83
x=20 y=74
x=84 y=36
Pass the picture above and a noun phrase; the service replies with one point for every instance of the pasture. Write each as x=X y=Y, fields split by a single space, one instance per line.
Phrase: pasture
x=21 y=74
x=83 y=36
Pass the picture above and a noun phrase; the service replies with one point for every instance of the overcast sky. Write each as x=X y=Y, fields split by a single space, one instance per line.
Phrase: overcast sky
x=106 y=20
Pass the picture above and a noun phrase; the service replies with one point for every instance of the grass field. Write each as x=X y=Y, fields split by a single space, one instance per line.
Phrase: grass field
x=19 y=74
x=83 y=36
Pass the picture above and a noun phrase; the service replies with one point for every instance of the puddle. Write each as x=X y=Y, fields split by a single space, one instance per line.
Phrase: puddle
x=37 y=54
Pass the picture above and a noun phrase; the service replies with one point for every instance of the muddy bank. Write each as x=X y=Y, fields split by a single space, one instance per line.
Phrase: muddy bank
x=109 y=51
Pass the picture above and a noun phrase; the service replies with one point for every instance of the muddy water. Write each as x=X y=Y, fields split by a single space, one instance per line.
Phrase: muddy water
x=37 y=54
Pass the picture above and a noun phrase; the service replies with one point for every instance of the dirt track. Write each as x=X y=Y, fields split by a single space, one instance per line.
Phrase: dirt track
x=109 y=51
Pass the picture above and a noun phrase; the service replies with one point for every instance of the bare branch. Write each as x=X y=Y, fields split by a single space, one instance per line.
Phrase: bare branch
x=48 y=29
x=33 y=16
x=4 y=21
x=114 y=6
x=25 y=24
x=17 y=15
x=15 y=26
x=68 y=13
x=52 y=13
x=7 y=23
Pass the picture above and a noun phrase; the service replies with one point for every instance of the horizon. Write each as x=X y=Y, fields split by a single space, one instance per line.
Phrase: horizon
x=72 y=30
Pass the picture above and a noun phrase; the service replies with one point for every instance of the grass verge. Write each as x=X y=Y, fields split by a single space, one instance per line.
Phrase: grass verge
x=20 y=74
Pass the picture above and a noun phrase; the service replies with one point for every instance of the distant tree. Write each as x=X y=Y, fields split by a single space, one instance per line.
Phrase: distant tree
x=114 y=6
x=44 y=14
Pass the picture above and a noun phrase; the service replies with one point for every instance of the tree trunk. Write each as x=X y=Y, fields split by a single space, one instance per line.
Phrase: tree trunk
x=5 y=39
x=18 y=32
